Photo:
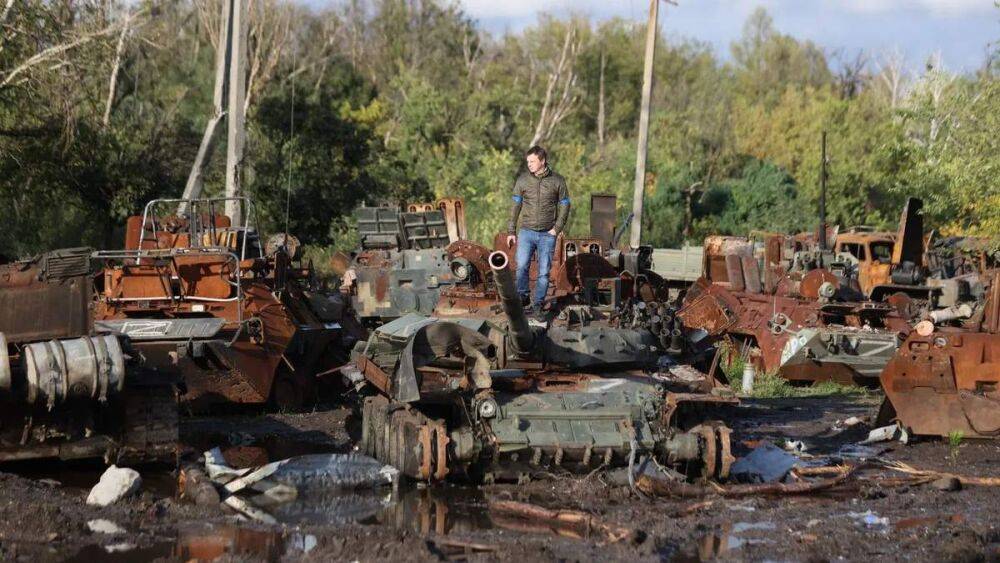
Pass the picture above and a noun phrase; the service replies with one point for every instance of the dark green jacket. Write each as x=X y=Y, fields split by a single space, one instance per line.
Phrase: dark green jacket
x=542 y=202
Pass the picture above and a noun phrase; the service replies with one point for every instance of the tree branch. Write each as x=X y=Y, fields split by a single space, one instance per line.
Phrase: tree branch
x=52 y=52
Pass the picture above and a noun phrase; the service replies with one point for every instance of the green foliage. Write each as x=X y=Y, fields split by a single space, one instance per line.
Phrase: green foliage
x=399 y=101
x=330 y=162
x=771 y=386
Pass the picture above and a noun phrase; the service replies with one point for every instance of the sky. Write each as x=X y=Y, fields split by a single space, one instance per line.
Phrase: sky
x=959 y=30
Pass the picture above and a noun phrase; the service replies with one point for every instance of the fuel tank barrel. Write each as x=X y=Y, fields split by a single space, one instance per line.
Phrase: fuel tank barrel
x=91 y=367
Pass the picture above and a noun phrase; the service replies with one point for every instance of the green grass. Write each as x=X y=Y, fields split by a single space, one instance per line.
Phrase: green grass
x=773 y=386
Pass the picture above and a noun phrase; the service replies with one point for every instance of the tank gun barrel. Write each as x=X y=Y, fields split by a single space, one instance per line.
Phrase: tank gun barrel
x=520 y=332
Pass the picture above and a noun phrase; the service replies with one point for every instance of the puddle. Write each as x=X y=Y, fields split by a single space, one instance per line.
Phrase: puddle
x=426 y=511
x=206 y=543
x=727 y=542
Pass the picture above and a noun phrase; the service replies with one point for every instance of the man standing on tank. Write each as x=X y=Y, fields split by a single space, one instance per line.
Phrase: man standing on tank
x=541 y=201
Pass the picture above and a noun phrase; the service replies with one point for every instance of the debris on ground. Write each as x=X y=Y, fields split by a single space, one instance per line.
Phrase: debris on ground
x=767 y=463
x=797 y=446
x=102 y=526
x=195 y=486
x=571 y=521
x=664 y=488
x=871 y=520
x=284 y=480
x=947 y=484
x=116 y=483
x=927 y=476
x=882 y=434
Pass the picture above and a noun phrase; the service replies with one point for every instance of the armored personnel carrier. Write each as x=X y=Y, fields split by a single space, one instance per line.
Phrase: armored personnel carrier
x=69 y=391
x=478 y=391
x=944 y=380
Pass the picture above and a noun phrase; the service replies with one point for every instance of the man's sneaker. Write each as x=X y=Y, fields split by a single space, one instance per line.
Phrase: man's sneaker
x=526 y=302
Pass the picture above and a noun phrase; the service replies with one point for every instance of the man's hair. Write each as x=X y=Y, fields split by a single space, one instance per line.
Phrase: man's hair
x=539 y=152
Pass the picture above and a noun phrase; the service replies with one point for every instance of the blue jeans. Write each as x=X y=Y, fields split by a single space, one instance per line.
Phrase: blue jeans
x=528 y=242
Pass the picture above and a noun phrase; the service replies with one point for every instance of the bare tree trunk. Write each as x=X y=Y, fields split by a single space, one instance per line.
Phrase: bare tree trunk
x=554 y=112
x=600 y=103
x=196 y=178
x=113 y=82
x=892 y=74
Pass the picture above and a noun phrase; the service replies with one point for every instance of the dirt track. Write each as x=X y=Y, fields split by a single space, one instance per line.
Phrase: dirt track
x=41 y=519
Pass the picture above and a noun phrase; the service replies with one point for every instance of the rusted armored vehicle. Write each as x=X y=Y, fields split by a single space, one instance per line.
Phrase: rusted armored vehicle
x=69 y=391
x=237 y=317
x=478 y=391
x=401 y=264
x=945 y=378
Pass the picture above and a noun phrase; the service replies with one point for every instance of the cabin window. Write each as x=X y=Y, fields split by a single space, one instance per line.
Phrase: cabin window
x=854 y=249
x=882 y=252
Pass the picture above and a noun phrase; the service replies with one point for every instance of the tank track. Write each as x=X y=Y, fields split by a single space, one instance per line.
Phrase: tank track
x=151 y=426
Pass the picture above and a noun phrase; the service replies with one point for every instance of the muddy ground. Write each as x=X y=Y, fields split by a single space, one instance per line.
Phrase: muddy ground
x=43 y=515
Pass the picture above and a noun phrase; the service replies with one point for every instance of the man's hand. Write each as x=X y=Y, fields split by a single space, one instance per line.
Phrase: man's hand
x=511 y=239
x=552 y=231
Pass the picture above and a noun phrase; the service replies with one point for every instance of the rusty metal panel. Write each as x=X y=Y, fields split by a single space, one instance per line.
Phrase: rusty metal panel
x=454 y=216
x=707 y=313
x=603 y=217
x=734 y=272
x=751 y=275
x=47 y=297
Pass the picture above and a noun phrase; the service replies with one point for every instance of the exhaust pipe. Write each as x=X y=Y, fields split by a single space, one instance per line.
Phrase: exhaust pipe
x=517 y=323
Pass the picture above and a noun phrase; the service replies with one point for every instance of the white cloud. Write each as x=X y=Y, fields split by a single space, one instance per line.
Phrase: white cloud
x=520 y=9
x=950 y=8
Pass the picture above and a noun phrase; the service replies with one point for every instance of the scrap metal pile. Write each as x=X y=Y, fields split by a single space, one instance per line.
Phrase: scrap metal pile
x=235 y=317
x=477 y=391
x=67 y=391
x=868 y=308
x=814 y=311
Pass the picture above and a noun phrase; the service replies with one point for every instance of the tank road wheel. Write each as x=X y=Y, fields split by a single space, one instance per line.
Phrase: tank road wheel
x=716 y=449
x=405 y=439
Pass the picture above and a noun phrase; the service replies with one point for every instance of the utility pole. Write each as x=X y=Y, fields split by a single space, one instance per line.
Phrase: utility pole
x=229 y=94
x=822 y=192
x=237 y=117
x=640 y=156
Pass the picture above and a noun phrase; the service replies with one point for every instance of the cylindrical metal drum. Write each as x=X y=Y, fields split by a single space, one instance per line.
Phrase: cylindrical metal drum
x=89 y=367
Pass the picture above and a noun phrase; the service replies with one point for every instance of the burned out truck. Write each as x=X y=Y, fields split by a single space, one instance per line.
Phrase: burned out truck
x=68 y=390
x=476 y=391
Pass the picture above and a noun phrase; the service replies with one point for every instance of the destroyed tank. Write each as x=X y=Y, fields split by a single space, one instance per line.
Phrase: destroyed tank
x=70 y=391
x=478 y=391
x=237 y=318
